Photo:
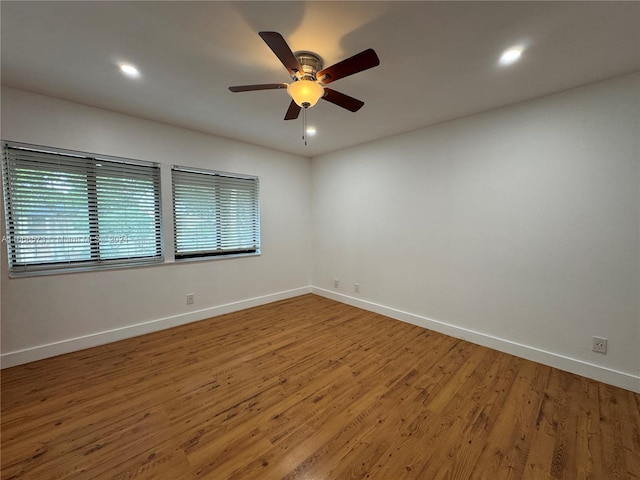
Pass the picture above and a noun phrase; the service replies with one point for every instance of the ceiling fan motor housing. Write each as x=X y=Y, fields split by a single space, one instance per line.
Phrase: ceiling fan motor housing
x=310 y=63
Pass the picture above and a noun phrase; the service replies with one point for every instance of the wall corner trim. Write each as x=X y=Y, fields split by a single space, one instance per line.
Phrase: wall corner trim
x=40 y=352
x=616 y=378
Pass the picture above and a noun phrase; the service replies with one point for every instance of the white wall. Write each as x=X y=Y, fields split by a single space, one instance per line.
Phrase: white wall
x=47 y=315
x=517 y=228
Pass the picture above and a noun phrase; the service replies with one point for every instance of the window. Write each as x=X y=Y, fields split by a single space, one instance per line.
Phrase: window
x=214 y=213
x=68 y=210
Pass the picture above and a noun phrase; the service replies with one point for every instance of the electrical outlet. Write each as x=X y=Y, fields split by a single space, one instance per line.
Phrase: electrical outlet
x=336 y=283
x=599 y=344
x=191 y=299
x=356 y=287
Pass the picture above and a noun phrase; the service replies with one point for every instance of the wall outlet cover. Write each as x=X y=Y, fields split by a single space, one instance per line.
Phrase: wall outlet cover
x=599 y=345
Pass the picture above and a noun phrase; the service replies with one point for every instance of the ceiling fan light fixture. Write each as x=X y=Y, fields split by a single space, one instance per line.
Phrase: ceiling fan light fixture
x=305 y=93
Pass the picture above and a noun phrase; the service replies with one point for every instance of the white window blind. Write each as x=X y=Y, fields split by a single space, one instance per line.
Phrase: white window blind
x=214 y=213
x=68 y=210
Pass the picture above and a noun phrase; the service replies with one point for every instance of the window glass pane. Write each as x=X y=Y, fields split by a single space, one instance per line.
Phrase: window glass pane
x=237 y=214
x=196 y=218
x=51 y=216
x=126 y=217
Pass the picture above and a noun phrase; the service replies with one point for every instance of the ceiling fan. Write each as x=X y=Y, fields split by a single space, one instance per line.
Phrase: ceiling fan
x=309 y=77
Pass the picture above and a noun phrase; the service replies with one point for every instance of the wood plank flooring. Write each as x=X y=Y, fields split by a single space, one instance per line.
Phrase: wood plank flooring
x=309 y=388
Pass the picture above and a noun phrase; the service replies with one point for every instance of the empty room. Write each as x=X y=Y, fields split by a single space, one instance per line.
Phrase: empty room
x=320 y=240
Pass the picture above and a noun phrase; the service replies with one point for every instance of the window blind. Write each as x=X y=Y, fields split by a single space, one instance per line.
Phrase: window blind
x=67 y=210
x=215 y=213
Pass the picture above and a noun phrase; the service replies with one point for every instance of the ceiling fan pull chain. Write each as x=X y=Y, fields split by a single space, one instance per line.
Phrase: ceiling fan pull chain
x=304 y=126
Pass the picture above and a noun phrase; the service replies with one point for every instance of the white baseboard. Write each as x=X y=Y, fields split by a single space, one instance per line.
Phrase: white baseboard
x=579 y=367
x=40 y=352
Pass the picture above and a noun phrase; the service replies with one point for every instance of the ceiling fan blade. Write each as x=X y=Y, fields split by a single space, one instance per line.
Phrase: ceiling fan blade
x=293 y=111
x=279 y=46
x=359 y=62
x=263 y=86
x=342 y=100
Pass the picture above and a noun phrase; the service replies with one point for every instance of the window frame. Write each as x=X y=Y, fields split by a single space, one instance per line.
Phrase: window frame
x=218 y=253
x=88 y=164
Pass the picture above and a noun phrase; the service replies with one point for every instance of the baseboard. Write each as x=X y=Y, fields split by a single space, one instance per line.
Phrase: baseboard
x=579 y=367
x=40 y=352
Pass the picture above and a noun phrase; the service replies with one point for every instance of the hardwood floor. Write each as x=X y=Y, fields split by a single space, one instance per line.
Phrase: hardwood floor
x=308 y=388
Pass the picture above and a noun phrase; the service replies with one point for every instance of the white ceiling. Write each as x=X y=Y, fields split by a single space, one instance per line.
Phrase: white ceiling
x=438 y=60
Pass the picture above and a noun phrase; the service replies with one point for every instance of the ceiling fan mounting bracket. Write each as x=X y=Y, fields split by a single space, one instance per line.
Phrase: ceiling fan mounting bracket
x=311 y=64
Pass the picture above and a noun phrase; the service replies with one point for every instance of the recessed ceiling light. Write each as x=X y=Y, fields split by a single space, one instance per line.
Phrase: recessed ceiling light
x=129 y=70
x=510 y=55
x=311 y=131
